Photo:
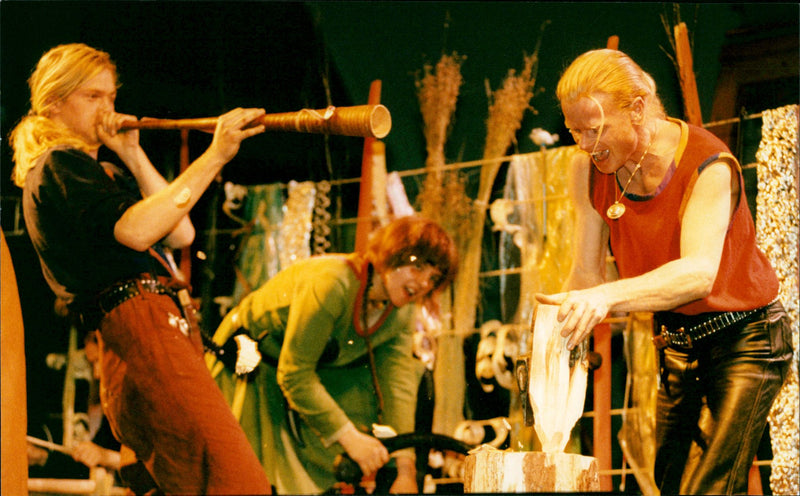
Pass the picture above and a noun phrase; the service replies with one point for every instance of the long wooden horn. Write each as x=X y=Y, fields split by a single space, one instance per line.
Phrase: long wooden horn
x=362 y=120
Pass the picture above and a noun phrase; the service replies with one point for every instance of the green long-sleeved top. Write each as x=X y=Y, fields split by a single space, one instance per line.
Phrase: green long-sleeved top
x=304 y=320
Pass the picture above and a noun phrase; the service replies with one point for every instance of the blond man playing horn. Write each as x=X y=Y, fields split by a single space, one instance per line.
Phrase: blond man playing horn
x=99 y=231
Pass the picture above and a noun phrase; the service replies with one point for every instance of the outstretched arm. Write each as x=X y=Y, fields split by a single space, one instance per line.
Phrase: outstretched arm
x=164 y=210
x=690 y=277
x=150 y=181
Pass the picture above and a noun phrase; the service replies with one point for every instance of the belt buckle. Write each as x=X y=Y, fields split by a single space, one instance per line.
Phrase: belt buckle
x=659 y=340
x=666 y=338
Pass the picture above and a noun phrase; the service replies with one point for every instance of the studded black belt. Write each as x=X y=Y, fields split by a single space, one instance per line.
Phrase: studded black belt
x=117 y=295
x=687 y=338
x=112 y=297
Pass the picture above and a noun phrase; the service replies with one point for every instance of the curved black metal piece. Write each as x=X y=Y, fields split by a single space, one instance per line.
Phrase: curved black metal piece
x=346 y=470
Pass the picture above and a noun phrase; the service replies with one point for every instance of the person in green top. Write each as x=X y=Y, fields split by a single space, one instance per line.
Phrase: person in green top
x=335 y=334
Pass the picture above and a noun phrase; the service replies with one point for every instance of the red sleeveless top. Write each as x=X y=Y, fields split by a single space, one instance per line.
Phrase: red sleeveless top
x=649 y=233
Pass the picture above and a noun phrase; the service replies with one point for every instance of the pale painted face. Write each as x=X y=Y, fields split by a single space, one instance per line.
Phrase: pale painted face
x=81 y=111
x=409 y=283
x=606 y=133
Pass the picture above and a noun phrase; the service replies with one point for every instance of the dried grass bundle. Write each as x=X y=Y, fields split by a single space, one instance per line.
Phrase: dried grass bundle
x=442 y=197
x=437 y=92
x=448 y=204
x=507 y=108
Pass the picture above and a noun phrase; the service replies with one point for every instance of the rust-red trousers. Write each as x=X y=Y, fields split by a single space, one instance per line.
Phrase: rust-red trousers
x=162 y=402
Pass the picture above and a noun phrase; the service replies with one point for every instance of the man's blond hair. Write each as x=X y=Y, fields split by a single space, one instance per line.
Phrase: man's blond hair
x=59 y=72
x=613 y=73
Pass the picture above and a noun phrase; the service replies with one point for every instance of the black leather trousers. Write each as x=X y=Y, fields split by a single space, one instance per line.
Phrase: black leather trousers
x=713 y=403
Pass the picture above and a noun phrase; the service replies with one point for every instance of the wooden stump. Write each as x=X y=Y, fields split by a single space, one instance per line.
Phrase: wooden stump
x=495 y=471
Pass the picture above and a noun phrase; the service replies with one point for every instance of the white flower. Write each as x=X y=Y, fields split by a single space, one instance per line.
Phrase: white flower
x=542 y=137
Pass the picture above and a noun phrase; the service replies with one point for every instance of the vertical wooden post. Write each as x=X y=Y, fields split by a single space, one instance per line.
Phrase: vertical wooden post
x=602 y=404
x=683 y=52
x=601 y=422
x=364 y=221
x=754 y=480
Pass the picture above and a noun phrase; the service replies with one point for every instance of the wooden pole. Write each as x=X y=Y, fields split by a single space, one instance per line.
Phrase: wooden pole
x=68 y=397
x=683 y=52
x=364 y=222
x=602 y=404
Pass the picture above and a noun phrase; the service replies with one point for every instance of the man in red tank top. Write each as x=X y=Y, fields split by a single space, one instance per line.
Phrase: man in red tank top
x=668 y=199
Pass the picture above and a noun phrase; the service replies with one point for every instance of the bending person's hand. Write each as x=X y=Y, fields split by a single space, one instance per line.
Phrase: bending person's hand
x=369 y=453
x=579 y=310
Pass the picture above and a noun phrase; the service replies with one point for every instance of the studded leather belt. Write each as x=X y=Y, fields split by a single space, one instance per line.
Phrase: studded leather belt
x=116 y=295
x=687 y=338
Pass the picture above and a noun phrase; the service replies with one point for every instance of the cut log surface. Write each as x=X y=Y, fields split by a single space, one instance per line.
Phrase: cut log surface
x=492 y=471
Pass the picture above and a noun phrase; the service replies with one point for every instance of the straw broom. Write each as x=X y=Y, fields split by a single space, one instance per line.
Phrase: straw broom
x=508 y=105
x=443 y=199
x=507 y=108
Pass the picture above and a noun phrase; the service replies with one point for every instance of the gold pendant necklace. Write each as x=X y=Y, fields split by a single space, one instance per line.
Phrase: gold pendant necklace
x=617 y=209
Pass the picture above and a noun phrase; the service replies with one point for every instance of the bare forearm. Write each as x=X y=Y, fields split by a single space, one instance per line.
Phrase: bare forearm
x=664 y=288
x=157 y=215
x=150 y=182
x=406 y=481
x=160 y=213
x=406 y=465
x=667 y=287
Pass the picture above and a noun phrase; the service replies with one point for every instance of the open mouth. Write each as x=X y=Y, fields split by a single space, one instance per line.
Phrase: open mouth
x=600 y=156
